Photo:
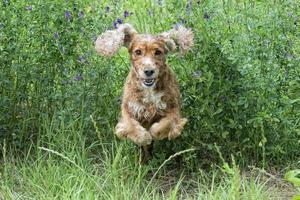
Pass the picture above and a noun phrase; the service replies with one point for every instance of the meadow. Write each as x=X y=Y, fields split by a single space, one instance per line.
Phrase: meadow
x=59 y=101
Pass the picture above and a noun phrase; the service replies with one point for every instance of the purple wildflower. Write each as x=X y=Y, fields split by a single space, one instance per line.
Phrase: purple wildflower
x=206 y=16
x=56 y=35
x=81 y=14
x=126 y=14
x=81 y=59
x=29 y=8
x=197 y=74
x=66 y=71
x=115 y=25
x=289 y=56
x=119 y=21
x=65 y=82
x=223 y=98
x=68 y=15
x=94 y=37
x=107 y=9
x=150 y=12
x=189 y=7
x=177 y=25
x=78 y=77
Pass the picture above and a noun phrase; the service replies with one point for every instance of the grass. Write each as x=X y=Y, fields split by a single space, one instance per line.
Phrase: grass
x=53 y=175
x=59 y=102
x=72 y=170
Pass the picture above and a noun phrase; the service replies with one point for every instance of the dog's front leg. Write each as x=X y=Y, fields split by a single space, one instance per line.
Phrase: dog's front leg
x=133 y=130
x=168 y=127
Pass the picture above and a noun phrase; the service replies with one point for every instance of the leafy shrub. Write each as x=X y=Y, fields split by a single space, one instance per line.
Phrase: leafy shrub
x=240 y=85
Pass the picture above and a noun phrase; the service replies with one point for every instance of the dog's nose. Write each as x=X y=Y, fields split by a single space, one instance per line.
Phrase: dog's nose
x=149 y=72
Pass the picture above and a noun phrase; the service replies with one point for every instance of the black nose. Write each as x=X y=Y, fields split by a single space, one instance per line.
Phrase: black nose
x=149 y=72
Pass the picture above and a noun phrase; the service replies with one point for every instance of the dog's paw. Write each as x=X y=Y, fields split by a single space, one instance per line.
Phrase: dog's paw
x=120 y=130
x=173 y=134
x=142 y=138
x=177 y=128
x=155 y=132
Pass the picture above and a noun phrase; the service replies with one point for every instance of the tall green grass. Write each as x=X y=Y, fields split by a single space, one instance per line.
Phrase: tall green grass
x=54 y=175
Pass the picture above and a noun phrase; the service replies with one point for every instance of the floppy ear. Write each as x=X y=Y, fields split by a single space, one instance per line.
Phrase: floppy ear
x=178 y=39
x=109 y=42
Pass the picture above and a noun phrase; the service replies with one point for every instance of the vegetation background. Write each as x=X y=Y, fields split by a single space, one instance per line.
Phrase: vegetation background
x=60 y=102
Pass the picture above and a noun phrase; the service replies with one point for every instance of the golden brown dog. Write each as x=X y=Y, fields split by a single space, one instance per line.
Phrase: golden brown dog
x=151 y=99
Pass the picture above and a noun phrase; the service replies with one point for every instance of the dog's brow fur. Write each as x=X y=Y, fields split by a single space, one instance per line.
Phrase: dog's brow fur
x=148 y=112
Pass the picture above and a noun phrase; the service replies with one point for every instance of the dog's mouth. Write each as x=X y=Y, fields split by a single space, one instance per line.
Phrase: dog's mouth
x=148 y=82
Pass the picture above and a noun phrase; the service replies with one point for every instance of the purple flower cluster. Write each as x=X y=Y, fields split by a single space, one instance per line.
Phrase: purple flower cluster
x=81 y=59
x=126 y=14
x=94 y=37
x=177 y=25
x=29 y=8
x=189 y=7
x=56 y=35
x=68 y=16
x=159 y=2
x=150 y=12
x=120 y=20
x=115 y=24
x=81 y=14
x=289 y=56
x=180 y=23
x=206 y=16
x=78 y=77
x=197 y=74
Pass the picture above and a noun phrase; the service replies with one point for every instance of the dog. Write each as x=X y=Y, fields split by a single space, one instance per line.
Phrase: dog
x=151 y=98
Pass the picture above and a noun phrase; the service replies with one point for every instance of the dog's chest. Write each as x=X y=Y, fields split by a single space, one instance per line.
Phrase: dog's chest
x=148 y=106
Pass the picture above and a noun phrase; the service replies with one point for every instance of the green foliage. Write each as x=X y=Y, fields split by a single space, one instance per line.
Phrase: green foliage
x=240 y=85
x=293 y=176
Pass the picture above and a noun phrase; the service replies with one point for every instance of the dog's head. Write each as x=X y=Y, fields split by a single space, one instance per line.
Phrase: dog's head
x=147 y=52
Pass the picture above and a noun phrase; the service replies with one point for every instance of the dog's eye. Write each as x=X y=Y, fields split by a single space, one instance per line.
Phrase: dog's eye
x=138 y=52
x=157 y=52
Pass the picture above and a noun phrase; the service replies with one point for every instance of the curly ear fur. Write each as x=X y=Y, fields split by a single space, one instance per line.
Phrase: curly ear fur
x=109 y=42
x=178 y=39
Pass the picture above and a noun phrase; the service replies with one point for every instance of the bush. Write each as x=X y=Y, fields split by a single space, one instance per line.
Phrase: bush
x=240 y=85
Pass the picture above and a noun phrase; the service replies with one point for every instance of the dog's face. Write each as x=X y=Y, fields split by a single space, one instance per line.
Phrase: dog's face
x=148 y=56
x=147 y=52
